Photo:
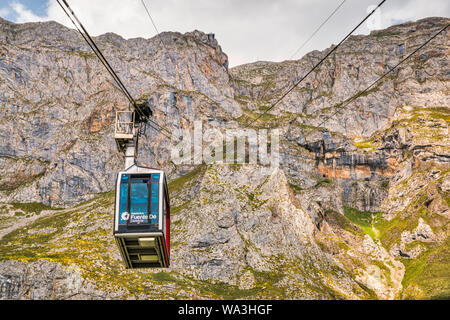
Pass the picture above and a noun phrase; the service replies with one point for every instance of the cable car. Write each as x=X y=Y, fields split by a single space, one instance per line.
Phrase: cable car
x=142 y=217
x=142 y=206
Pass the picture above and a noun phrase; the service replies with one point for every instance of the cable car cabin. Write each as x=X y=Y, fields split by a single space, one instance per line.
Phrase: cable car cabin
x=142 y=218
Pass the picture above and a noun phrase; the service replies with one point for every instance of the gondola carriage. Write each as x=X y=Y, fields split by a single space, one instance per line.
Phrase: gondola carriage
x=142 y=217
x=142 y=204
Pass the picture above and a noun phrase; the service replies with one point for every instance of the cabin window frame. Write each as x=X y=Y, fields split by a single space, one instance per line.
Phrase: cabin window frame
x=149 y=182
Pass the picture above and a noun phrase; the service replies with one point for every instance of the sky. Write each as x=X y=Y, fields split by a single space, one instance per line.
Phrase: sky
x=247 y=30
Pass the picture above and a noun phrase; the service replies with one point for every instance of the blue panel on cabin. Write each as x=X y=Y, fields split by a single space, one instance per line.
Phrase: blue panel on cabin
x=123 y=214
x=155 y=203
x=155 y=177
x=139 y=203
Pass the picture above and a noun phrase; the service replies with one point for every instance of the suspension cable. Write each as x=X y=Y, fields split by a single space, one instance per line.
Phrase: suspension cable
x=319 y=63
x=79 y=26
x=346 y=102
x=317 y=30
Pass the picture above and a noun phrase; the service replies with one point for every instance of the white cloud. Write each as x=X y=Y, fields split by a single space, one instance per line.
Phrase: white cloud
x=247 y=30
x=126 y=18
x=4 y=12
x=23 y=14
x=397 y=12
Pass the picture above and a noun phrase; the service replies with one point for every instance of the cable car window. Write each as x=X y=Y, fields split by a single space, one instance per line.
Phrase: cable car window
x=139 y=203
x=155 y=203
x=123 y=212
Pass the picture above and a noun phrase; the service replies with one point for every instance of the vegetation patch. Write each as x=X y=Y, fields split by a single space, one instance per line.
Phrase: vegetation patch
x=177 y=209
x=163 y=277
x=82 y=54
x=295 y=188
x=31 y=207
x=389 y=232
x=343 y=222
x=364 y=219
x=323 y=181
x=367 y=144
x=415 y=113
x=222 y=290
x=178 y=183
x=428 y=276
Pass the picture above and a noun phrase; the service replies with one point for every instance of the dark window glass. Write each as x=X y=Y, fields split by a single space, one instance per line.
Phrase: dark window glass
x=139 y=203
x=139 y=180
x=155 y=203
x=123 y=214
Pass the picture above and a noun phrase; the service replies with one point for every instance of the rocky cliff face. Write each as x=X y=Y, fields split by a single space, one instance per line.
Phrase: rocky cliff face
x=357 y=209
